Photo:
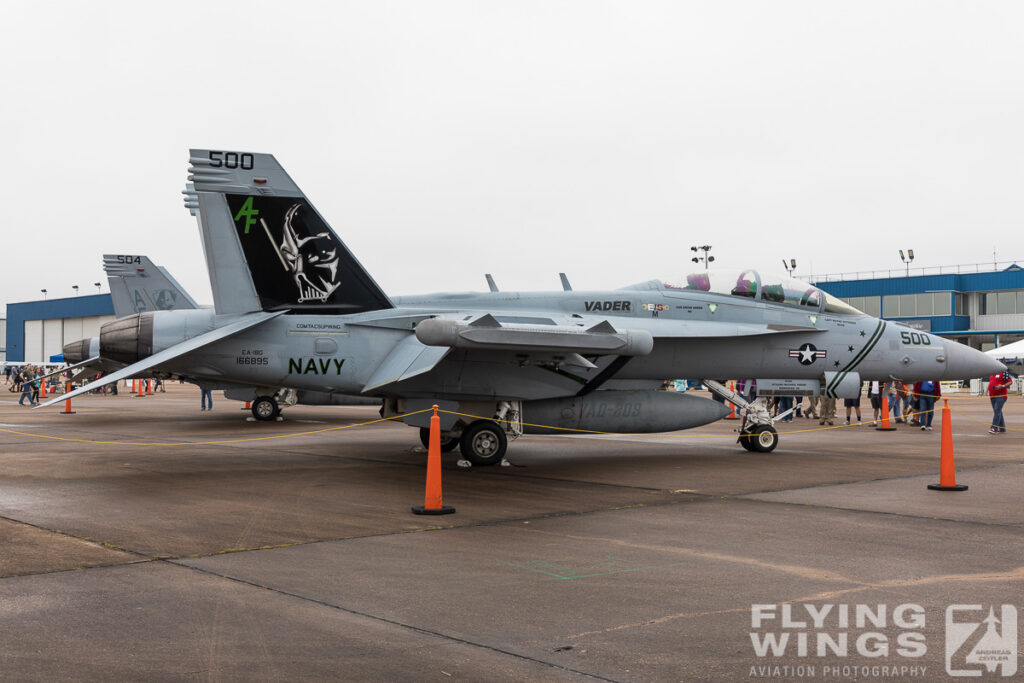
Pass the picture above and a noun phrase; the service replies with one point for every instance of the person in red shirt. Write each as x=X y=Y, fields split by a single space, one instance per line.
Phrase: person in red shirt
x=997 y=386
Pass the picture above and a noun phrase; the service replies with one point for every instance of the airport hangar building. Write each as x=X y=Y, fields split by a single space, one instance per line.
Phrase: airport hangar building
x=979 y=305
x=37 y=330
x=980 y=308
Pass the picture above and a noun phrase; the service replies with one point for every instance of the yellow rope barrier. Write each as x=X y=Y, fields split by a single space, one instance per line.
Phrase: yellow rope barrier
x=214 y=443
x=595 y=432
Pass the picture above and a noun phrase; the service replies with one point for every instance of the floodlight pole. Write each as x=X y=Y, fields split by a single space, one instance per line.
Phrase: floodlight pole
x=706 y=258
x=907 y=259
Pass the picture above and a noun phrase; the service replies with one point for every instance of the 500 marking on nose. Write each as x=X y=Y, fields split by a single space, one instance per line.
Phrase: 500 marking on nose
x=915 y=339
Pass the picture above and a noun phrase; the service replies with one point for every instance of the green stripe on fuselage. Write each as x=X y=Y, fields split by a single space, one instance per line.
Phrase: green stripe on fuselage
x=872 y=341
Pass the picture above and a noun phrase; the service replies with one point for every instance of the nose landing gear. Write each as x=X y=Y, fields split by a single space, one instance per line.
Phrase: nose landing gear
x=759 y=438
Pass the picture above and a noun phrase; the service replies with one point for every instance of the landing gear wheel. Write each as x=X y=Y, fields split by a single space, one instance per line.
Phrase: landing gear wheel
x=265 y=409
x=763 y=439
x=446 y=446
x=483 y=443
x=746 y=440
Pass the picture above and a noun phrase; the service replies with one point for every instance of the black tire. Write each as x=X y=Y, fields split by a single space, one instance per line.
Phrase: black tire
x=446 y=446
x=483 y=443
x=763 y=439
x=265 y=409
x=746 y=440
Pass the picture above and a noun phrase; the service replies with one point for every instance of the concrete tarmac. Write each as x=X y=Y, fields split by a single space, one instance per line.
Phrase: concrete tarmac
x=145 y=539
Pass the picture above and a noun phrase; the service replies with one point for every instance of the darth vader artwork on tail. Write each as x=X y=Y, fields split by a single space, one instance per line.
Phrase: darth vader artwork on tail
x=296 y=260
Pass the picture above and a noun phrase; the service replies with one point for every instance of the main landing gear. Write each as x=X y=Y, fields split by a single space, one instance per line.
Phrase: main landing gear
x=448 y=442
x=267 y=408
x=481 y=442
x=758 y=434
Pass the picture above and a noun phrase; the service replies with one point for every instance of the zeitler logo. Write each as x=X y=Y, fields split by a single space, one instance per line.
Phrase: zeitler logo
x=977 y=641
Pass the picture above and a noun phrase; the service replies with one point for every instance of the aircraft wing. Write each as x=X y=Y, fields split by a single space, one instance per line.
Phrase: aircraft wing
x=171 y=353
x=408 y=359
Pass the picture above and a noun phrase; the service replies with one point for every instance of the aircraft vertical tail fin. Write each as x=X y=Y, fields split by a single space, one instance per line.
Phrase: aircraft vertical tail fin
x=266 y=247
x=138 y=285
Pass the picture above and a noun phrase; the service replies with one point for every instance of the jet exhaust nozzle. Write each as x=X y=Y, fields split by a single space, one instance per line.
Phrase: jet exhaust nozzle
x=127 y=340
x=77 y=351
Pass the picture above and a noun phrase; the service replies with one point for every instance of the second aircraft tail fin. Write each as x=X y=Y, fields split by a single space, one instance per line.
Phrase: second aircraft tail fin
x=266 y=247
x=138 y=285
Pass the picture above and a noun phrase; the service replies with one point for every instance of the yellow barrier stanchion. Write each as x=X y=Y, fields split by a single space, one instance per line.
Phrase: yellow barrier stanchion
x=432 y=498
x=67 y=402
x=947 y=470
x=885 y=426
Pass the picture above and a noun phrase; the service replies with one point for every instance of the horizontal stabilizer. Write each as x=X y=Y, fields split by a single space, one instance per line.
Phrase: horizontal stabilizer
x=170 y=354
x=84 y=363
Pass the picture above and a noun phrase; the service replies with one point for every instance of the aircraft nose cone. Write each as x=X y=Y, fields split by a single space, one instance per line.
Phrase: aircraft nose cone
x=963 y=362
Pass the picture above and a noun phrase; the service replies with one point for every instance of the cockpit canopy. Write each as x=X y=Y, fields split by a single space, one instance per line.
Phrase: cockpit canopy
x=776 y=289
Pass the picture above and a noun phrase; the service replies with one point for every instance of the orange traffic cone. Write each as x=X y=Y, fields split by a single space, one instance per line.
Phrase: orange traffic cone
x=732 y=414
x=42 y=388
x=432 y=499
x=947 y=470
x=149 y=387
x=885 y=427
x=67 y=402
x=138 y=389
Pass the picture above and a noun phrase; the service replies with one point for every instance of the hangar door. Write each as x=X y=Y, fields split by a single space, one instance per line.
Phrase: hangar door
x=33 y=340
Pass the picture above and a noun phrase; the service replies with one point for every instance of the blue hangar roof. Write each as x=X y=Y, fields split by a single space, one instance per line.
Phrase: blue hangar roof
x=1010 y=278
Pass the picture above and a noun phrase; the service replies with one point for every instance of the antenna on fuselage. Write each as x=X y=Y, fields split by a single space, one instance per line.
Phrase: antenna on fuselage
x=565 y=282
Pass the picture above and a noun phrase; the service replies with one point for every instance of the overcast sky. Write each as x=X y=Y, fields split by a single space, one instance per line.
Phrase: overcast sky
x=444 y=140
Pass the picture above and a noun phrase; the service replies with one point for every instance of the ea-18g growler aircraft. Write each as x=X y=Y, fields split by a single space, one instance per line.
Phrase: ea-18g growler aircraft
x=295 y=313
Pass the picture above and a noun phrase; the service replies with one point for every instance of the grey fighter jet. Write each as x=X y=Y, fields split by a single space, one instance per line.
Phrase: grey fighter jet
x=294 y=308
